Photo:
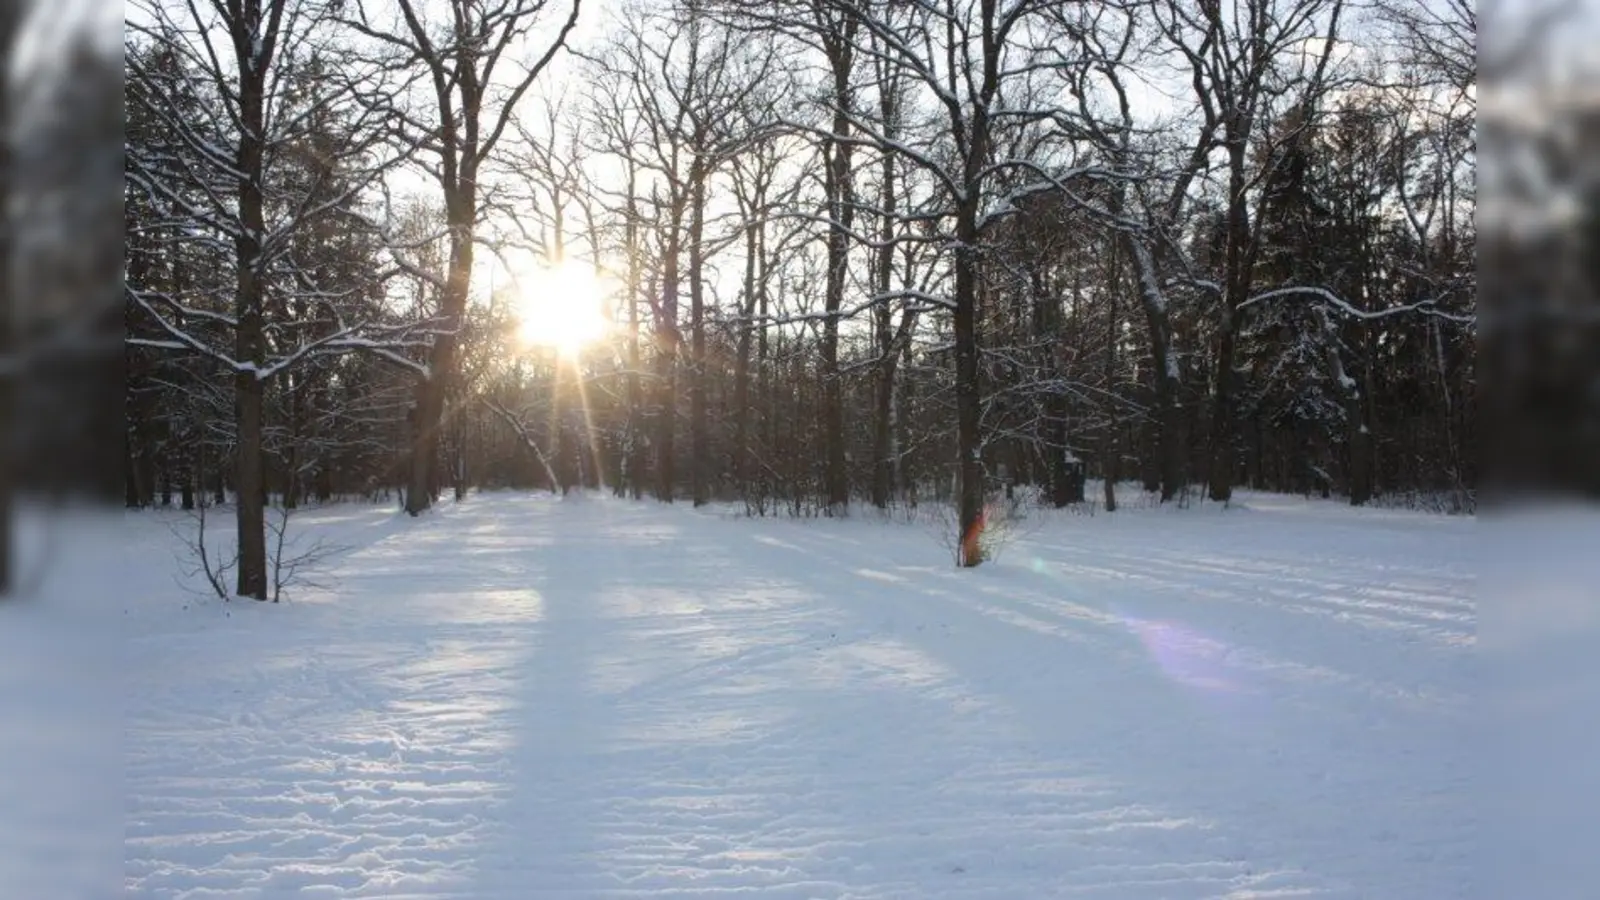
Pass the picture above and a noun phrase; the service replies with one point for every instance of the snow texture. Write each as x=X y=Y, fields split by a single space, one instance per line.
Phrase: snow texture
x=523 y=697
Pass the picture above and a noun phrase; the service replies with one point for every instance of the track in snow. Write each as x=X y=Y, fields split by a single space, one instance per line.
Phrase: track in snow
x=520 y=697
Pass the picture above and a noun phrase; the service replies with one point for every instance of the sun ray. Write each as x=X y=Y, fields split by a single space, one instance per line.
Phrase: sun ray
x=590 y=432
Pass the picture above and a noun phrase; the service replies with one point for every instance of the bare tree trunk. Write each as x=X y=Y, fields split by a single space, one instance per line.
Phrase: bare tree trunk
x=1358 y=435
x=1164 y=378
x=883 y=412
x=1361 y=488
x=459 y=58
x=458 y=454
x=905 y=470
x=249 y=302
x=635 y=445
x=883 y=418
x=1169 y=412
x=186 y=476
x=699 y=436
x=969 y=397
x=841 y=214
x=1168 y=419
x=1110 y=452
x=291 y=451
x=741 y=365
x=1052 y=443
x=766 y=413
x=1223 y=460
x=666 y=366
x=1236 y=284
x=969 y=389
x=220 y=474
x=250 y=509
x=461 y=205
x=1452 y=445
x=561 y=450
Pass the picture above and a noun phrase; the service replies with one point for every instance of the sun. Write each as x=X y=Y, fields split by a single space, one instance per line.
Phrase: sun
x=561 y=307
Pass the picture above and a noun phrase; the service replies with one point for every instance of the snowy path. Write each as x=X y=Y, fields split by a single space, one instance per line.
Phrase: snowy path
x=518 y=697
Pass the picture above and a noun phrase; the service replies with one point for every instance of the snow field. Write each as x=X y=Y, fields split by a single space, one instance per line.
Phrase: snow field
x=524 y=697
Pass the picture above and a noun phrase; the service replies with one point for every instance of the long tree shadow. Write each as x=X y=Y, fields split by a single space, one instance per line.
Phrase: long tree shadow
x=682 y=733
x=630 y=598
x=1181 y=719
x=715 y=705
x=714 y=717
x=349 y=743
x=542 y=831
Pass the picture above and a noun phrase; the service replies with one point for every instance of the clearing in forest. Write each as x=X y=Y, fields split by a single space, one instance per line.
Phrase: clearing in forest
x=519 y=696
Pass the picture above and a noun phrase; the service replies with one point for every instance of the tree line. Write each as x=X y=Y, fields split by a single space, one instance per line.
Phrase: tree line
x=864 y=252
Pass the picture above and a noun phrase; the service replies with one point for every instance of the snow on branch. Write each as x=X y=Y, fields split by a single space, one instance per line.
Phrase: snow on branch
x=1058 y=182
x=514 y=422
x=1424 y=307
x=869 y=136
x=347 y=339
x=924 y=298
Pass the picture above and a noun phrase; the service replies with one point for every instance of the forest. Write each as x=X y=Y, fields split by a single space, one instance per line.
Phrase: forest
x=809 y=257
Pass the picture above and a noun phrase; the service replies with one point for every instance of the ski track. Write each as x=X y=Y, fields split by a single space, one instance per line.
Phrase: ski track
x=521 y=697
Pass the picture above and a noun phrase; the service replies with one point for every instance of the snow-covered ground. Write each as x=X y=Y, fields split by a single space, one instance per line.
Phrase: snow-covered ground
x=522 y=697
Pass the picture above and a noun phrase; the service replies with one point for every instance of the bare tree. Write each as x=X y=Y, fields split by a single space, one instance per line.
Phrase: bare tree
x=890 y=339
x=214 y=182
x=1249 y=64
x=613 y=132
x=1145 y=218
x=463 y=48
x=837 y=24
x=549 y=206
x=700 y=95
x=853 y=235
x=983 y=68
x=1440 y=36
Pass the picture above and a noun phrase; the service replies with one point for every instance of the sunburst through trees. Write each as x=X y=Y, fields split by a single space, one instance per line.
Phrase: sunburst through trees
x=799 y=256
